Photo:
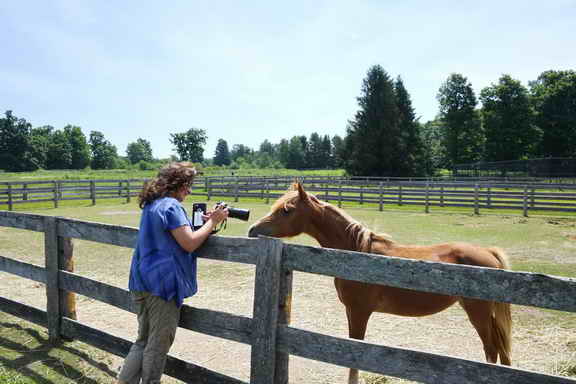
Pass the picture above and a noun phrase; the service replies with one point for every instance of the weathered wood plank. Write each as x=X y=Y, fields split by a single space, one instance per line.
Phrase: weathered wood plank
x=213 y=323
x=404 y=363
x=282 y=369
x=23 y=311
x=103 y=233
x=229 y=248
x=22 y=269
x=22 y=221
x=53 y=304
x=459 y=280
x=179 y=369
x=266 y=308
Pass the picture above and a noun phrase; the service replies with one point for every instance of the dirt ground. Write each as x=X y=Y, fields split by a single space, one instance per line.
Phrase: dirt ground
x=544 y=341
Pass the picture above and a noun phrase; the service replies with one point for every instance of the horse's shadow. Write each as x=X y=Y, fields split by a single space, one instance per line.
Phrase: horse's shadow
x=47 y=355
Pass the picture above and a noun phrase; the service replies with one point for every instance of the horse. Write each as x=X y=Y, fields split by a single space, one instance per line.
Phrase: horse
x=299 y=212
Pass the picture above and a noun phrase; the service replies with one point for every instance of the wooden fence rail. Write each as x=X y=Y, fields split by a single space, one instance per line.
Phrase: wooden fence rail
x=268 y=332
x=381 y=192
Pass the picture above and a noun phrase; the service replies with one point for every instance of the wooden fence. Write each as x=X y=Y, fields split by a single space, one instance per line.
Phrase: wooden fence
x=268 y=332
x=380 y=193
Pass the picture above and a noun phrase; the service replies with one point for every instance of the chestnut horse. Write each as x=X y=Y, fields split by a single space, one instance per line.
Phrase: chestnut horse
x=299 y=212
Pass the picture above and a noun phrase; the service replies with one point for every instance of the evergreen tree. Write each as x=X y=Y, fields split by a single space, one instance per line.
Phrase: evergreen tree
x=222 y=154
x=411 y=163
x=314 y=159
x=373 y=142
x=338 y=152
x=464 y=138
x=554 y=99
x=508 y=121
x=296 y=156
x=190 y=144
x=326 y=160
x=240 y=151
x=434 y=154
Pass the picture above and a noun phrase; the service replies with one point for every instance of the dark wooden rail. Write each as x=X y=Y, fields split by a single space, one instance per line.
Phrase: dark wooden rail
x=268 y=331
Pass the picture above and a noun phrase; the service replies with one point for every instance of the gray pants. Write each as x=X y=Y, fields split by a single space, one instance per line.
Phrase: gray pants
x=157 y=323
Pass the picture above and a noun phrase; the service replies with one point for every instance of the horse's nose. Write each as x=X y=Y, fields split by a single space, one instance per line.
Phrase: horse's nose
x=253 y=232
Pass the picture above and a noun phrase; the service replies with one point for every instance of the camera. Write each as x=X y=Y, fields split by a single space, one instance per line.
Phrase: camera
x=236 y=213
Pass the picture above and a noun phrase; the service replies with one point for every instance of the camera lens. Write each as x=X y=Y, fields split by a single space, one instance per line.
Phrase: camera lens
x=240 y=214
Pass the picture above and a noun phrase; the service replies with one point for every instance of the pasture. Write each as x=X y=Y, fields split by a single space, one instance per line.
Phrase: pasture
x=543 y=340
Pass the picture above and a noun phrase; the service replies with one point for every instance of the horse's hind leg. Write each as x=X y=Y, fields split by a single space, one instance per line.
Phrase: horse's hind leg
x=493 y=324
x=357 y=323
x=480 y=315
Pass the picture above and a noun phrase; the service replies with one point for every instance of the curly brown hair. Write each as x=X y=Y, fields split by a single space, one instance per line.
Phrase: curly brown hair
x=171 y=178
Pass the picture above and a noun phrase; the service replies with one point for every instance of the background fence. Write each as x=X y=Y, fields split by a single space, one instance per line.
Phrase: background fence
x=481 y=194
x=268 y=333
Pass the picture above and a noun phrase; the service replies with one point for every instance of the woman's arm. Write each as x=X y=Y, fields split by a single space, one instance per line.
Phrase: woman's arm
x=190 y=240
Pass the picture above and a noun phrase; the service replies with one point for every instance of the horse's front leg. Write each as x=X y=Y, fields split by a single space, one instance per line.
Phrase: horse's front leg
x=357 y=321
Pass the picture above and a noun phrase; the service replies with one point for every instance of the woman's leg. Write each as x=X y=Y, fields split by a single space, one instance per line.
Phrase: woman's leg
x=132 y=369
x=163 y=319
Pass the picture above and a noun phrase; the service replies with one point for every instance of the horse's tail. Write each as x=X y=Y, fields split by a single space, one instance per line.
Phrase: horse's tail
x=502 y=320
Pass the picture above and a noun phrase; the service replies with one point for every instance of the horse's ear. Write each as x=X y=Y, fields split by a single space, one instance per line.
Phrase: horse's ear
x=301 y=192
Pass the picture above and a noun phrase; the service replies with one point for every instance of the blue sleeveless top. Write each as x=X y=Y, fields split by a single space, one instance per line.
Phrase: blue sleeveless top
x=159 y=265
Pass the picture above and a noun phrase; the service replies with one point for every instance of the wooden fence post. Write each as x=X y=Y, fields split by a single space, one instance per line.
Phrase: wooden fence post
x=93 y=192
x=476 y=202
x=442 y=196
x=208 y=188
x=55 y=194
x=24 y=191
x=120 y=188
x=267 y=193
x=58 y=253
x=339 y=193
x=400 y=195
x=361 y=194
x=281 y=372
x=236 y=187
x=266 y=310
x=381 y=205
x=525 y=204
x=127 y=191
x=427 y=209
x=489 y=198
x=9 y=197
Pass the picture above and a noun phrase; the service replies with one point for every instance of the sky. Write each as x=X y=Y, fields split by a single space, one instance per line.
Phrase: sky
x=255 y=70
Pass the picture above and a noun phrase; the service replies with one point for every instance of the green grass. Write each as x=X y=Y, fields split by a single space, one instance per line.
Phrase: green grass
x=68 y=174
x=26 y=357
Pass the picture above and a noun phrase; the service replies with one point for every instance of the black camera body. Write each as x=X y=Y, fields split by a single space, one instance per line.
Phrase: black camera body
x=236 y=213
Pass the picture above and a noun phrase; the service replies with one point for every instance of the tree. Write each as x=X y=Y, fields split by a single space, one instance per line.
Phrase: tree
x=412 y=151
x=59 y=151
x=40 y=144
x=338 y=151
x=463 y=136
x=296 y=156
x=141 y=150
x=222 y=154
x=239 y=151
x=554 y=99
x=267 y=147
x=190 y=144
x=373 y=141
x=434 y=151
x=326 y=160
x=80 y=150
x=104 y=154
x=314 y=159
x=508 y=121
x=15 y=151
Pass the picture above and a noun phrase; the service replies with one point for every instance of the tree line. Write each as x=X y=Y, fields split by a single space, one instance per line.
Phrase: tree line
x=384 y=137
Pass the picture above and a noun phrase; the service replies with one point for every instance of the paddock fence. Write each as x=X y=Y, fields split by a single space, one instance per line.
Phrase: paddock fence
x=375 y=192
x=268 y=331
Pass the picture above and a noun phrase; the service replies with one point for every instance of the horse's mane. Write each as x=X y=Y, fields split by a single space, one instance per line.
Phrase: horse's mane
x=361 y=237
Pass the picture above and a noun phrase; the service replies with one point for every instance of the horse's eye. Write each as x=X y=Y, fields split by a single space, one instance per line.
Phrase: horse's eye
x=286 y=210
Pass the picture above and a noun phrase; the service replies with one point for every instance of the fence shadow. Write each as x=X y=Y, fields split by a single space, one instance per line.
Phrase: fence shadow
x=35 y=358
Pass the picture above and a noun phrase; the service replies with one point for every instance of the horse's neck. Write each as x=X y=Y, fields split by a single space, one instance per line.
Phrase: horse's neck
x=332 y=230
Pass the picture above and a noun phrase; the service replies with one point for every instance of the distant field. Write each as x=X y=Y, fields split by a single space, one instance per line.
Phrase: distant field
x=68 y=174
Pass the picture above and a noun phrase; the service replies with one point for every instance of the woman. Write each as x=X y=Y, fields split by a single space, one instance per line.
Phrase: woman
x=163 y=270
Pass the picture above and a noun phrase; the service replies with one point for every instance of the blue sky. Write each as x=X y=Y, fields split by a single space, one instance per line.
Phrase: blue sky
x=255 y=70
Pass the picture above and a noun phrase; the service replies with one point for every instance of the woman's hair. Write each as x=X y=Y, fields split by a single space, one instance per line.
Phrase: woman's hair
x=171 y=178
